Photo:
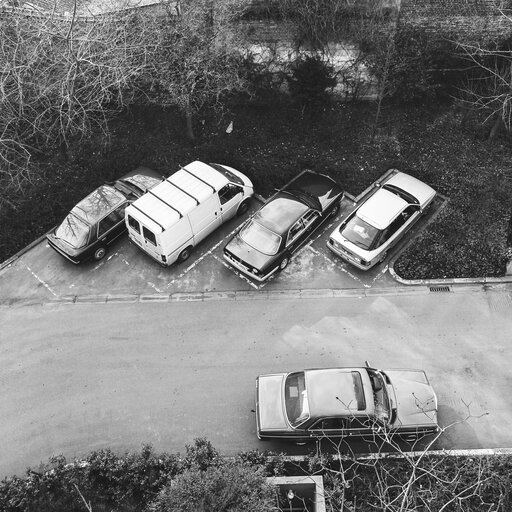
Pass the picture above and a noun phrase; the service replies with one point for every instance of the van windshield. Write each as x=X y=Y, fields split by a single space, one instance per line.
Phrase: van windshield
x=231 y=176
x=74 y=231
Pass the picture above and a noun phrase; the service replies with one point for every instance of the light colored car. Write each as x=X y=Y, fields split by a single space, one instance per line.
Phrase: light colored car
x=345 y=403
x=378 y=223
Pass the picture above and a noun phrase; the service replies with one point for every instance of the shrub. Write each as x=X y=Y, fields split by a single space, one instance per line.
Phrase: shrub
x=226 y=488
x=309 y=80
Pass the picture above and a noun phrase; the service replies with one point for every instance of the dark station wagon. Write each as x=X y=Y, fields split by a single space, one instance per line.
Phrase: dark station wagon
x=345 y=403
x=98 y=220
x=267 y=241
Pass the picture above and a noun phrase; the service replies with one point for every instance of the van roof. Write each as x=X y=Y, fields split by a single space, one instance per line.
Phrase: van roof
x=176 y=196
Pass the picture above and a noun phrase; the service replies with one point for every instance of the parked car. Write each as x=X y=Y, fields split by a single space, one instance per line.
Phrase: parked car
x=96 y=221
x=345 y=403
x=267 y=241
x=365 y=237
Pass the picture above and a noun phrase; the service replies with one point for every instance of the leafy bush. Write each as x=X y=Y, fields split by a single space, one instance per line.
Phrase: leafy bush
x=225 y=488
x=309 y=80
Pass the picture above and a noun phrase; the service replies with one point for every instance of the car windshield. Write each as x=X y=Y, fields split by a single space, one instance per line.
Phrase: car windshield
x=74 y=231
x=380 y=396
x=296 y=399
x=360 y=233
x=260 y=238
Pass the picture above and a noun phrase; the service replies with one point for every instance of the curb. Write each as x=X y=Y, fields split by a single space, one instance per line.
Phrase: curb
x=477 y=452
x=416 y=288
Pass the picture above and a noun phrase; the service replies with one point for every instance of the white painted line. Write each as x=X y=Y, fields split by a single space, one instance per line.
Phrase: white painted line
x=154 y=287
x=41 y=281
x=380 y=274
x=239 y=274
x=201 y=258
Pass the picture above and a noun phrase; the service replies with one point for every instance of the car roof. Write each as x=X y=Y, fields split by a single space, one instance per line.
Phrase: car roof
x=316 y=190
x=280 y=213
x=339 y=392
x=381 y=208
x=98 y=204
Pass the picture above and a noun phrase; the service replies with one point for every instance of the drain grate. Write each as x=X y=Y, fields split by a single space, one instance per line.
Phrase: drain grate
x=439 y=288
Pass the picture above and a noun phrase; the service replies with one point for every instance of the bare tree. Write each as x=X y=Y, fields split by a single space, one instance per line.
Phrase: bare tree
x=62 y=77
x=199 y=58
x=490 y=89
x=401 y=475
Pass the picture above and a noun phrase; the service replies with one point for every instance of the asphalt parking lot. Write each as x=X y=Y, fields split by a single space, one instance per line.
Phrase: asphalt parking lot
x=42 y=274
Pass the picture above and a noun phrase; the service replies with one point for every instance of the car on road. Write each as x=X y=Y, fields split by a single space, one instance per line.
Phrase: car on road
x=267 y=241
x=345 y=403
x=97 y=220
x=365 y=237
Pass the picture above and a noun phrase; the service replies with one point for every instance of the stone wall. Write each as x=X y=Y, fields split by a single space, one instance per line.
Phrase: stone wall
x=473 y=19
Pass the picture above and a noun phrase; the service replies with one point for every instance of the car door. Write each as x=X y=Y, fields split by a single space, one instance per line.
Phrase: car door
x=230 y=196
x=301 y=230
x=329 y=427
x=400 y=225
x=112 y=225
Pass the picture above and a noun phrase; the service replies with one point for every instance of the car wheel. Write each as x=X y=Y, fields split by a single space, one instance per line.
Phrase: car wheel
x=284 y=263
x=185 y=254
x=335 y=211
x=383 y=256
x=99 y=253
x=242 y=208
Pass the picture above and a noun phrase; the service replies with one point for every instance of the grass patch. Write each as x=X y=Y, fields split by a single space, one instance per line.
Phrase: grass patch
x=272 y=144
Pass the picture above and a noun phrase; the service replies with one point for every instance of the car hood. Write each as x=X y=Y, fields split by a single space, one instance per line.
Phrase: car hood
x=248 y=254
x=416 y=399
x=269 y=402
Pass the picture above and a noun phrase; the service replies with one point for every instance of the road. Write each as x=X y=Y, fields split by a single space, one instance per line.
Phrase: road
x=79 y=377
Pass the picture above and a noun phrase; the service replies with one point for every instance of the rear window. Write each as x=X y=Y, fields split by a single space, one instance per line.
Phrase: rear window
x=134 y=224
x=360 y=233
x=260 y=238
x=74 y=231
x=149 y=235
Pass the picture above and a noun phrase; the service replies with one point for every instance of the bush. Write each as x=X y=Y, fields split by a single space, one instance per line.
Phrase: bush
x=309 y=80
x=226 y=488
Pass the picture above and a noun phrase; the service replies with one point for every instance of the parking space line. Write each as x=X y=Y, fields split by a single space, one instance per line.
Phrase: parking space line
x=337 y=265
x=239 y=274
x=42 y=282
x=202 y=257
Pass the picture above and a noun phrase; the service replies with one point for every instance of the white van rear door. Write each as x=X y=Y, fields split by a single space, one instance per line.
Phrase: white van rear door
x=230 y=196
x=205 y=217
x=149 y=243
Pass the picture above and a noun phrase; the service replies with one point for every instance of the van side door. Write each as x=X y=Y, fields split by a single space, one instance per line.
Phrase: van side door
x=205 y=217
x=230 y=196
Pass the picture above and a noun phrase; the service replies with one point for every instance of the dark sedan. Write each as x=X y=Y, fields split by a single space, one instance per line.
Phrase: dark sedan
x=98 y=220
x=267 y=241
x=345 y=403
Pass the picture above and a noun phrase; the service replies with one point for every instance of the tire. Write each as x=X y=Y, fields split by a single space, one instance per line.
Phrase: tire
x=243 y=207
x=335 y=211
x=284 y=263
x=99 y=253
x=383 y=256
x=185 y=254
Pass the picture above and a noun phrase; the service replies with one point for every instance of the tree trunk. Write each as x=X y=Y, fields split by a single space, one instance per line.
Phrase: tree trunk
x=190 y=125
x=495 y=128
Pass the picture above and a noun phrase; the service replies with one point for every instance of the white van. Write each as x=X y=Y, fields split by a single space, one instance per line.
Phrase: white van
x=178 y=213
